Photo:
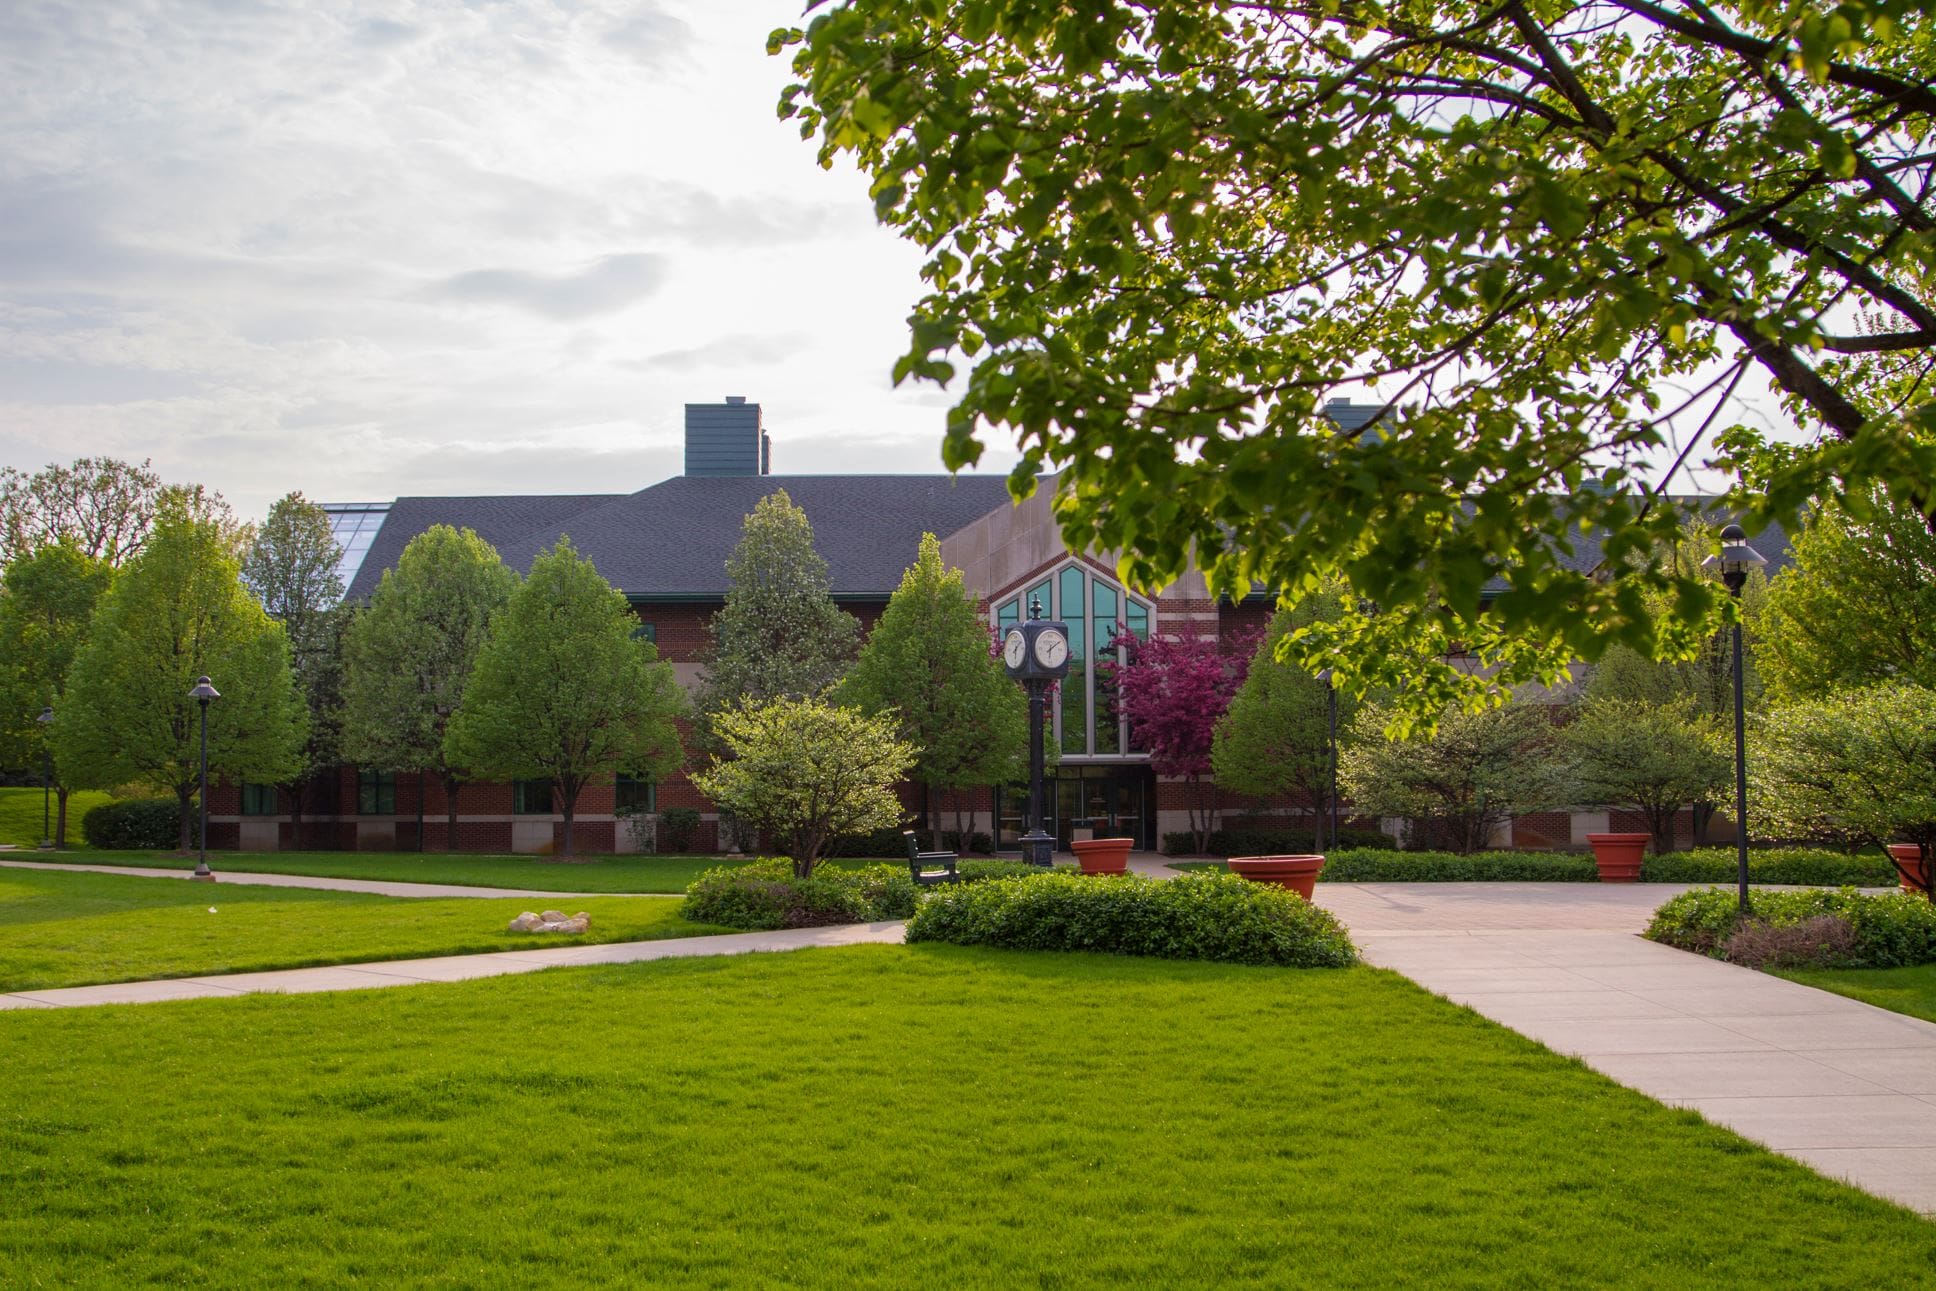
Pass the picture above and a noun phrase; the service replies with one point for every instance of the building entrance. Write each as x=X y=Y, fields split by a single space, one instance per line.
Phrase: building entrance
x=1088 y=801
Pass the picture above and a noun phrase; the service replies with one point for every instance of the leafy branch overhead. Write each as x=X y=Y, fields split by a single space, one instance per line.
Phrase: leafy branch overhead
x=1162 y=234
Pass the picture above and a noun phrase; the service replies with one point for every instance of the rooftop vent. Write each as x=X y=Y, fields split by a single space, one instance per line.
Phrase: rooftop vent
x=726 y=439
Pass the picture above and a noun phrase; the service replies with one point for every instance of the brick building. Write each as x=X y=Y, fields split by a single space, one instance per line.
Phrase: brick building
x=666 y=548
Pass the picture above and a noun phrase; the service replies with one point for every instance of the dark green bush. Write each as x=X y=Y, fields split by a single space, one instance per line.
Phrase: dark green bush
x=1450 y=867
x=979 y=871
x=1199 y=916
x=765 y=895
x=133 y=825
x=978 y=844
x=678 y=826
x=1890 y=930
x=1804 y=866
x=1272 y=842
x=880 y=843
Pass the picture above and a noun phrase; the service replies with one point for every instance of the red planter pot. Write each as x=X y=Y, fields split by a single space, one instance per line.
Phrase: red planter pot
x=1103 y=855
x=1298 y=873
x=1913 y=868
x=1619 y=856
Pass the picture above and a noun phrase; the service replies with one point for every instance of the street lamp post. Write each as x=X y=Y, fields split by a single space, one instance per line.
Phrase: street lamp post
x=1037 y=655
x=1733 y=564
x=46 y=720
x=1331 y=712
x=202 y=693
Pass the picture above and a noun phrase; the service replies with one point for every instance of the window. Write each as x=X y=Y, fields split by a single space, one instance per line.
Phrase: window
x=531 y=797
x=1100 y=615
x=260 y=800
x=376 y=793
x=646 y=632
x=635 y=795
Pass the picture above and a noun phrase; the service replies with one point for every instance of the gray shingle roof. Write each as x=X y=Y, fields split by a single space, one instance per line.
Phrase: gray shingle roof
x=671 y=540
x=500 y=521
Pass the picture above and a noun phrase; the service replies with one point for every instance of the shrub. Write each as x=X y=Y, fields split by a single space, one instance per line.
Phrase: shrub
x=1891 y=930
x=1199 y=916
x=677 y=828
x=133 y=824
x=1450 y=867
x=1804 y=866
x=766 y=895
x=886 y=841
x=1819 y=941
x=981 y=871
x=978 y=843
x=1273 y=842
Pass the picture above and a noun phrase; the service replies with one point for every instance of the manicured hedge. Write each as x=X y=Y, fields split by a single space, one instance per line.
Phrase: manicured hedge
x=882 y=842
x=1822 y=928
x=1198 y=916
x=1798 y=865
x=981 y=871
x=765 y=895
x=1807 y=866
x=133 y=825
x=1271 y=842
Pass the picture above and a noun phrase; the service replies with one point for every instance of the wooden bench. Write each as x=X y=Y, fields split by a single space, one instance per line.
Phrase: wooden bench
x=920 y=863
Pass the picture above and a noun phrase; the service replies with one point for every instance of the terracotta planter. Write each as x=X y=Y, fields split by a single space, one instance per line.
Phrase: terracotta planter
x=1298 y=873
x=1102 y=855
x=1618 y=856
x=1912 y=869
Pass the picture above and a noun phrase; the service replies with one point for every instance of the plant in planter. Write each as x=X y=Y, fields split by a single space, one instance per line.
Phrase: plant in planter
x=1298 y=873
x=1860 y=766
x=1102 y=855
x=1618 y=856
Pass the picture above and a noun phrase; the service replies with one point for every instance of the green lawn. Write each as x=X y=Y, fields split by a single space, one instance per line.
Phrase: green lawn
x=540 y=874
x=1900 y=990
x=882 y=1116
x=20 y=815
x=67 y=929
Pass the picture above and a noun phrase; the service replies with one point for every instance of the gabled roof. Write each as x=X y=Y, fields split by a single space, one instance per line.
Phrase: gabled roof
x=671 y=541
x=499 y=521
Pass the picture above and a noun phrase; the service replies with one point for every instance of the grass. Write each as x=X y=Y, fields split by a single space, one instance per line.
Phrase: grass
x=1900 y=990
x=20 y=815
x=661 y=874
x=882 y=1116
x=68 y=929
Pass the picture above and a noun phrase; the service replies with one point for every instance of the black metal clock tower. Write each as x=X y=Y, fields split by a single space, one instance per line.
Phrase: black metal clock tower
x=1036 y=653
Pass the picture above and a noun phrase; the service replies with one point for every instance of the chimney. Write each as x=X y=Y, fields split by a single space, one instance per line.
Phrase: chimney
x=726 y=438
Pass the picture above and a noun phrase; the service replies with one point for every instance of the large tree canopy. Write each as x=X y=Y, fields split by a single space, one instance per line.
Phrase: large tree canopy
x=1166 y=232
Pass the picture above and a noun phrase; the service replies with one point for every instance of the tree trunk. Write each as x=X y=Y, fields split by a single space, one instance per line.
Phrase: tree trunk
x=570 y=803
x=60 y=817
x=451 y=783
x=296 y=815
x=182 y=799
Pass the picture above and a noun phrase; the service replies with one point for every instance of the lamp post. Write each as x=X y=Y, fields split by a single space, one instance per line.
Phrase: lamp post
x=202 y=693
x=46 y=720
x=1037 y=655
x=1733 y=564
x=1331 y=712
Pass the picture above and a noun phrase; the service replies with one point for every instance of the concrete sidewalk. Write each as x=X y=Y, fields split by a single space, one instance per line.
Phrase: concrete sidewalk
x=449 y=968
x=376 y=887
x=1842 y=1086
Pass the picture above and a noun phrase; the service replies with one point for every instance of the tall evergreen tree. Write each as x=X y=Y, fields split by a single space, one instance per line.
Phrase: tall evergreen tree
x=178 y=611
x=292 y=569
x=779 y=633
x=409 y=656
x=47 y=602
x=564 y=691
x=928 y=662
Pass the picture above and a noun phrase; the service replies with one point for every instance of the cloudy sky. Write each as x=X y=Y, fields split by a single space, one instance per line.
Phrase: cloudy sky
x=430 y=247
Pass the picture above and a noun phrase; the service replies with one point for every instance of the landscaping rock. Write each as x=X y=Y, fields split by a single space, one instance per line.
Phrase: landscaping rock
x=551 y=921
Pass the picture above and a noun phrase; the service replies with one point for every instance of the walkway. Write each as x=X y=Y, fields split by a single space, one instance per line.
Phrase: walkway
x=448 y=968
x=378 y=887
x=1839 y=1085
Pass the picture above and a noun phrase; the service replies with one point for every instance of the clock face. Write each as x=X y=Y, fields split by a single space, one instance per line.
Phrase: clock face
x=1051 y=648
x=1013 y=647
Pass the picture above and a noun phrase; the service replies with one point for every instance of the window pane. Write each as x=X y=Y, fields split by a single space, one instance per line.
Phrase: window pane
x=636 y=795
x=1008 y=615
x=1075 y=687
x=376 y=793
x=646 y=632
x=1040 y=592
x=1138 y=619
x=259 y=800
x=531 y=797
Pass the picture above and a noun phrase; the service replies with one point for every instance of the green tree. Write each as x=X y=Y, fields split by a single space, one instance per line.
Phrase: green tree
x=1275 y=738
x=1471 y=775
x=1162 y=233
x=1857 y=607
x=779 y=632
x=408 y=657
x=47 y=602
x=806 y=772
x=928 y=663
x=564 y=691
x=176 y=612
x=1652 y=757
x=1858 y=765
x=100 y=506
x=292 y=569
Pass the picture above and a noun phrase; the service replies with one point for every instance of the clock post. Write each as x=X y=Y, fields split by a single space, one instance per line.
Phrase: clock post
x=1036 y=654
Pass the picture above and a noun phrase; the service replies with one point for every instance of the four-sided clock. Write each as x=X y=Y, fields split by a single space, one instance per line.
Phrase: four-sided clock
x=1036 y=651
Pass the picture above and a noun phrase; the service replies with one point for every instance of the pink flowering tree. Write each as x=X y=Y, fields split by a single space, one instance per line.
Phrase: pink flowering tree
x=1173 y=690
